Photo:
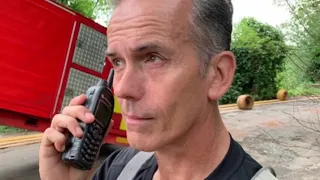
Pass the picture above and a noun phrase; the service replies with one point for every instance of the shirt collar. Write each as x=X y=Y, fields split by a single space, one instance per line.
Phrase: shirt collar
x=231 y=162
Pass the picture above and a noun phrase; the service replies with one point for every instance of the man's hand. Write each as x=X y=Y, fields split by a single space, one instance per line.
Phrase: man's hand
x=54 y=139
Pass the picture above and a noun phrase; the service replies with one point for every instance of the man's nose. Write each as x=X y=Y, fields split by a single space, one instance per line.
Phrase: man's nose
x=128 y=84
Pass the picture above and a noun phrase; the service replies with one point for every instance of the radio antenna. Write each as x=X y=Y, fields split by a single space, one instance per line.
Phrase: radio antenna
x=110 y=79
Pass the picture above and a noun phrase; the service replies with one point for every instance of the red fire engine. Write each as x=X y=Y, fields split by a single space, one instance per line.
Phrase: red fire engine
x=48 y=55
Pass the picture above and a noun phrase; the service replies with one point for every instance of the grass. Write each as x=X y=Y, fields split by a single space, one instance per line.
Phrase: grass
x=7 y=129
x=304 y=90
x=296 y=81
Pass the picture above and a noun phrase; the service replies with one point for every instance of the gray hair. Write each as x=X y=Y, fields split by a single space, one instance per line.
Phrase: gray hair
x=210 y=28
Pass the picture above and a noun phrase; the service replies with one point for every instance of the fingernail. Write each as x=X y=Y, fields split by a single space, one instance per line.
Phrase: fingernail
x=78 y=97
x=89 y=116
x=79 y=130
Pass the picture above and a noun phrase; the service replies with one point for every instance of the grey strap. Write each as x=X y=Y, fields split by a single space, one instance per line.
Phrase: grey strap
x=133 y=166
x=266 y=173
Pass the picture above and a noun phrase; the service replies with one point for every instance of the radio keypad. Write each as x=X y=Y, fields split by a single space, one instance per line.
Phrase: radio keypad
x=92 y=141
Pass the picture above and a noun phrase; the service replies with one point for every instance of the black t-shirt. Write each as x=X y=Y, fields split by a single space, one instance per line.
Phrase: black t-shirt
x=237 y=165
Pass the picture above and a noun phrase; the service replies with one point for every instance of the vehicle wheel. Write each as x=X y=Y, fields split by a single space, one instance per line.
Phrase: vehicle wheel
x=282 y=95
x=245 y=102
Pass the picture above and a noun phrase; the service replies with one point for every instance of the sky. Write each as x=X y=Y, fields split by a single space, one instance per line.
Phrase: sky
x=263 y=10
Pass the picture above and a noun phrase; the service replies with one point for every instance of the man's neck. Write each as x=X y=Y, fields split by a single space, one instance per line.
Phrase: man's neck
x=197 y=154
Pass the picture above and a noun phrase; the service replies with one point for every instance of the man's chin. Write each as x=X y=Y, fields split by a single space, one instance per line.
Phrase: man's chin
x=143 y=142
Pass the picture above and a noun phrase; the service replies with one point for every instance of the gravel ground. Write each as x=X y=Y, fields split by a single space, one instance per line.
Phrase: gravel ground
x=283 y=136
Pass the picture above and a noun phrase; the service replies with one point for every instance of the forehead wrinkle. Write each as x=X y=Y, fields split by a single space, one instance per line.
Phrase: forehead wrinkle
x=137 y=36
x=169 y=23
x=144 y=47
x=172 y=13
x=141 y=7
x=135 y=23
x=120 y=20
x=136 y=29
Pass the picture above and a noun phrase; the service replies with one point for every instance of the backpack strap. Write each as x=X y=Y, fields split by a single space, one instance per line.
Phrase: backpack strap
x=134 y=165
x=266 y=173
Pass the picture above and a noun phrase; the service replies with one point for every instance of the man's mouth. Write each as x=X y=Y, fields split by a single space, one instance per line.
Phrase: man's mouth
x=135 y=119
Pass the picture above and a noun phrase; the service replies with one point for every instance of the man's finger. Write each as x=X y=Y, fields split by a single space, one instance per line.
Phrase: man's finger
x=53 y=137
x=61 y=122
x=79 y=112
x=78 y=100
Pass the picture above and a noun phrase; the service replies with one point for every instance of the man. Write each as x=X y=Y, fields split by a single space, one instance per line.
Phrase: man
x=172 y=64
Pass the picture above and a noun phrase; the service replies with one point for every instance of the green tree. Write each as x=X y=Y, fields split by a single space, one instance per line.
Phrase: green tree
x=88 y=8
x=303 y=33
x=260 y=51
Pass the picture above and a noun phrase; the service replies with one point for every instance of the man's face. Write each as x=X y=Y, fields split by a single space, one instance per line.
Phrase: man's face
x=157 y=74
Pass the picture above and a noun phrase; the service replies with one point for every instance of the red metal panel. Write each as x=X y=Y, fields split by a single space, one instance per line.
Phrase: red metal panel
x=86 y=70
x=92 y=24
x=34 y=38
x=37 y=44
x=101 y=29
x=67 y=71
x=13 y=119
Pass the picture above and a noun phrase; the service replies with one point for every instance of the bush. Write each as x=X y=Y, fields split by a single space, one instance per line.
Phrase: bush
x=314 y=68
x=260 y=52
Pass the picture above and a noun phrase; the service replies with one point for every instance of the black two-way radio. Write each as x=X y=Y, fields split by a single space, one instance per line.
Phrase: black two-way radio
x=82 y=152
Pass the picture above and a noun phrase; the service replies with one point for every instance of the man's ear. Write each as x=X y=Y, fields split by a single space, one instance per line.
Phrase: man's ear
x=221 y=72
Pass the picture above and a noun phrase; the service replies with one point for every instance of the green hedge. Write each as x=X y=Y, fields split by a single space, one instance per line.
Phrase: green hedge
x=260 y=52
x=314 y=68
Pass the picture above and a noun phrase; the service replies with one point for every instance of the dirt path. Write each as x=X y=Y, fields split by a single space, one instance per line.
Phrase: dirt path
x=273 y=136
x=13 y=134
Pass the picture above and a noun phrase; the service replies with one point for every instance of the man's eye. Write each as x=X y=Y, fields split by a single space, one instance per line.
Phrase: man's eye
x=153 y=59
x=117 y=62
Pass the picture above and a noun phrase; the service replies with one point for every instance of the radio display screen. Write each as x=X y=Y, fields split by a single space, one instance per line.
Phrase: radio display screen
x=103 y=112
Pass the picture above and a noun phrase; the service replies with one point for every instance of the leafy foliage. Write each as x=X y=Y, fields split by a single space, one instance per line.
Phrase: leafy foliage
x=88 y=8
x=314 y=68
x=303 y=32
x=260 y=51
